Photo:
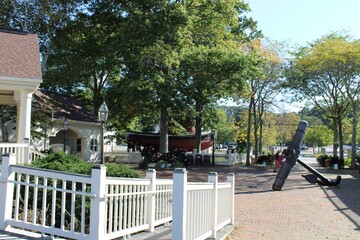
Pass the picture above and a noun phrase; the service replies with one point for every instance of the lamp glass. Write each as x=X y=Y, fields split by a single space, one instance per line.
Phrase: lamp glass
x=103 y=113
x=66 y=125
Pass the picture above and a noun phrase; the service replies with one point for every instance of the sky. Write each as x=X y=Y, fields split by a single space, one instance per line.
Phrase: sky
x=302 y=21
x=299 y=22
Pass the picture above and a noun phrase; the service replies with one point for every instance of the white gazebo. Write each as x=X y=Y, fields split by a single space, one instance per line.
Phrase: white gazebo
x=20 y=76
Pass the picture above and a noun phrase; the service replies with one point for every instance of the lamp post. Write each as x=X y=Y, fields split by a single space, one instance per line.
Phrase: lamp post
x=103 y=116
x=65 y=129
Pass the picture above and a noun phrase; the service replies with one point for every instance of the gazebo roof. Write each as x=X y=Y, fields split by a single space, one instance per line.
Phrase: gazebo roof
x=19 y=60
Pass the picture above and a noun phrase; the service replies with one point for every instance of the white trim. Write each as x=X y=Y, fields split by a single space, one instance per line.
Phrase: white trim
x=18 y=83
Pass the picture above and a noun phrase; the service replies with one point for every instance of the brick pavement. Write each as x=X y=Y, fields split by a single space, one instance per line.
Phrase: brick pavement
x=301 y=210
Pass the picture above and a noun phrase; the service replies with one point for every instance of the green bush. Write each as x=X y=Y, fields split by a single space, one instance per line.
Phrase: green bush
x=328 y=161
x=60 y=161
x=321 y=159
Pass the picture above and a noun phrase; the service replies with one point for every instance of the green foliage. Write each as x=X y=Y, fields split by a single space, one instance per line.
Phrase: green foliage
x=318 y=136
x=321 y=159
x=60 y=161
x=119 y=170
x=328 y=161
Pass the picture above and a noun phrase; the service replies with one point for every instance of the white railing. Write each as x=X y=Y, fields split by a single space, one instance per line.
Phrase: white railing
x=134 y=205
x=21 y=150
x=24 y=153
x=34 y=154
x=98 y=207
x=57 y=204
x=201 y=209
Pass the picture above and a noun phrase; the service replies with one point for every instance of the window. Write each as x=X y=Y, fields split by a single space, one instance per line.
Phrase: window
x=78 y=145
x=94 y=145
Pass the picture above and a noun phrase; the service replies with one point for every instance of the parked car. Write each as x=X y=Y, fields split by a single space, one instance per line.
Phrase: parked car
x=231 y=145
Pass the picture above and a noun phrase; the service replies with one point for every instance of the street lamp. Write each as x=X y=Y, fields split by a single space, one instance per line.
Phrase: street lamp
x=65 y=128
x=103 y=117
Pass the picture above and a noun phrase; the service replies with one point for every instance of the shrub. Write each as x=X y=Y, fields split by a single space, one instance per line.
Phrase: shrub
x=175 y=157
x=268 y=159
x=321 y=159
x=73 y=164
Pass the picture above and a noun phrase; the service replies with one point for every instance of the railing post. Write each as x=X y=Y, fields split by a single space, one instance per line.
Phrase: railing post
x=213 y=178
x=6 y=189
x=26 y=154
x=179 y=204
x=98 y=203
x=151 y=174
x=231 y=179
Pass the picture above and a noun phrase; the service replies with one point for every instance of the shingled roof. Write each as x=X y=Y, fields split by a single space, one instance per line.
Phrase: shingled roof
x=19 y=55
x=63 y=106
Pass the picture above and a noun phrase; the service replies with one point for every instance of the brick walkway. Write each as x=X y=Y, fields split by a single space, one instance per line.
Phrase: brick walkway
x=301 y=210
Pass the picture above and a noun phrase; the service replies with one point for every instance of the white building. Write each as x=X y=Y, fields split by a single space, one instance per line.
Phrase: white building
x=20 y=78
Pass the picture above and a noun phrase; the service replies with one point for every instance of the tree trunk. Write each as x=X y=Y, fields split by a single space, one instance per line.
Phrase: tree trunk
x=341 y=139
x=248 y=138
x=353 y=136
x=335 y=139
x=260 y=134
x=164 y=129
x=198 y=126
x=4 y=132
x=255 y=119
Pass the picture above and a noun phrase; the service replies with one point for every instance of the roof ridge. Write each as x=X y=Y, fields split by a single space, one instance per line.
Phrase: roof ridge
x=14 y=31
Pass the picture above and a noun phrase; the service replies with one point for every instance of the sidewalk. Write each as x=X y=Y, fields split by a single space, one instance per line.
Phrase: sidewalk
x=301 y=210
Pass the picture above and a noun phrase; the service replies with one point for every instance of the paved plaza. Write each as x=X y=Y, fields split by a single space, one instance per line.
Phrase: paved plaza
x=301 y=210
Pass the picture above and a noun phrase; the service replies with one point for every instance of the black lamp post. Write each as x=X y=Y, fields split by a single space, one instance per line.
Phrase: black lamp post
x=103 y=117
x=65 y=129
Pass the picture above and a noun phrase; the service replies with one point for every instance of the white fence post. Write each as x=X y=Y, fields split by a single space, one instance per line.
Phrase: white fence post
x=6 y=189
x=26 y=154
x=213 y=178
x=98 y=203
x=179 y=204
x=151 y=174
x=231 y=179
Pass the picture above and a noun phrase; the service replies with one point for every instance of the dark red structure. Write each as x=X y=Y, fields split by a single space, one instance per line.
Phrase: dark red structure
x=184 y=141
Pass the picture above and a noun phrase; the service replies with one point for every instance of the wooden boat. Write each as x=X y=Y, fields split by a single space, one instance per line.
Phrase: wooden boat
x=181 y=141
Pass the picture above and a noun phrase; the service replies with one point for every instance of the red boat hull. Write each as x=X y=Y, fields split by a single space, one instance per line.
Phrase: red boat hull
x=184 y=142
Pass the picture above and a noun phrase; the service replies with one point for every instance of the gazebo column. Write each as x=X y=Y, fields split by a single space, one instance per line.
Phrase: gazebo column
x=23 y=123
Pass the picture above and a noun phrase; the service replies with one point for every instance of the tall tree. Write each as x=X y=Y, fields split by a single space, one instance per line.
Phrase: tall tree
x=214 y=64
x=84 y=60
x=327 y=72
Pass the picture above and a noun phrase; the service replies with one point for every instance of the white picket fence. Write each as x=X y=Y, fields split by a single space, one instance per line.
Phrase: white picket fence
x=23 y=152
x=201 y=209
x=98 y=207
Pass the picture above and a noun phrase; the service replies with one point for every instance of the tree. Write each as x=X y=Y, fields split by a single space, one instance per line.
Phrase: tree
x=84 y=60
x=182 y=64
x=214 y=63
x=265 y=86
x=8 y=114
x=327 y=72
